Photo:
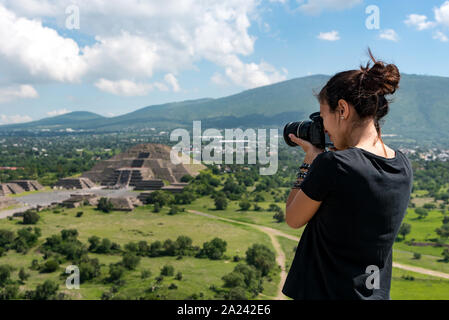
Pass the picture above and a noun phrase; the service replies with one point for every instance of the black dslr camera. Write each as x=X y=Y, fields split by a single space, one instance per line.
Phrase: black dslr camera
x=312 y=131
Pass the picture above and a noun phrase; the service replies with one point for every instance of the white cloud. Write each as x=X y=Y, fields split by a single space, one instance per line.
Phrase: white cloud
x=57 y=112
x=389 y=34
x=28 y=49
x=134 y=40
x=4 y=119
x=442 y=14
x=219 y=79
x=172 y=81
x=419 y=22
x=438 y=35
x=123 y=87
x=329 y=36
x=17 y=92
x=317 y=6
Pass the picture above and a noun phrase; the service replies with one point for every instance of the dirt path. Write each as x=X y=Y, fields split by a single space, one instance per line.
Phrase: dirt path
x=421 y=270
x=280 y=255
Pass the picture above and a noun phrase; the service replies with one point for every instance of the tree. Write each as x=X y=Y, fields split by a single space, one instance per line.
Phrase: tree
x=116 y=272
x=50 y=266
x=405 y=229
x=443 y=231
x=173 y=210
x=214 y=249
x=23 y=276
x=186 y=178
x=244 y=205
x=236 y=293
x=446 y=255
x=5 y=274
x=45 y=291
x=130 y=261
x=429 y=206
x=105 y=205
x=89 y=269
x=167 y=270
x=30 y=217
x=261 y=257
x=221 y=203
x=421 y=212
x=279 y=216
x=156 y=207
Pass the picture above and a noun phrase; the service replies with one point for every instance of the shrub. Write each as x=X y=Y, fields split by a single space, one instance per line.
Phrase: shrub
x=214 y=249
x=236 y=293
x=167 y=270
x=50 y=266
x=105 y=205
x=279 y=216
x=89 y=269
x=221 y=203
x=261 y=257
x=145 y=274
x=23 y=276
x=130 y=261
x=405 y=229
x=421 y=212
x=178 y=276
x=30 y=217
x=116 y=271
x=416 y=255
x=244 y=205
x=173 y=210
x=172 y=286
x=79 y=214
x=43 y=291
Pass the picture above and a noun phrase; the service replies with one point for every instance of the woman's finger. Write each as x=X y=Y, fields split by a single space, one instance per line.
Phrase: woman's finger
x=295 y=139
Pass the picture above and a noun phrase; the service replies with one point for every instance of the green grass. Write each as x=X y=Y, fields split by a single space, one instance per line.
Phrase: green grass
x=426 y=261
x=142 y=224
x=423 y=287
x=422 y=231
x=263 y=217
x=45 y=189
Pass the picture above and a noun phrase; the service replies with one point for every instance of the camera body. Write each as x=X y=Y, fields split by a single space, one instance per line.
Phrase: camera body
x=312 y=131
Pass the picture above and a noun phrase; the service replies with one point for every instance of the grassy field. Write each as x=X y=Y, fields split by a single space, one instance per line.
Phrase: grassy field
x=142 y=224
x=423 y=230
x=263 y=217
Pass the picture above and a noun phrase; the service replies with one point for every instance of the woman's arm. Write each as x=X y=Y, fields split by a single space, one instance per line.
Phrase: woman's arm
x=299 y=208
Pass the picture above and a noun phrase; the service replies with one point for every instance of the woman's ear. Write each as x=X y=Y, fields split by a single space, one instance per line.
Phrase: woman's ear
x=343 y=109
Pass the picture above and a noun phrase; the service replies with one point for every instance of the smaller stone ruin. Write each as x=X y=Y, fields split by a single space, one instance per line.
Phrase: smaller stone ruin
x=6 y=202
x=74 y=183
x=77 y=200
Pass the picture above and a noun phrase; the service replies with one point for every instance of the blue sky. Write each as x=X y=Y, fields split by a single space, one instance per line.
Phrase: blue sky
x=126 y=55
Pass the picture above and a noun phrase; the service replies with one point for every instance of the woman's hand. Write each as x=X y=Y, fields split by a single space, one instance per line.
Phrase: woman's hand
x=310 y=150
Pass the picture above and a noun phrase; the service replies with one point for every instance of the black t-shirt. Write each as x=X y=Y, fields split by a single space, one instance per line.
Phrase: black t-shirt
x=364 y=199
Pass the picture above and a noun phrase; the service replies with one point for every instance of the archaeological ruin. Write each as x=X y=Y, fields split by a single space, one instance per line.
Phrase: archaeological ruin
x=144 y=167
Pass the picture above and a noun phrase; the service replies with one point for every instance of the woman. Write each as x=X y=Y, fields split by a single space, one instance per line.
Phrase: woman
x=353 y=199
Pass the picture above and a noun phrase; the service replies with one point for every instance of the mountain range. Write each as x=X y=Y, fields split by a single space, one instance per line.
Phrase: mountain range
x=419 y=111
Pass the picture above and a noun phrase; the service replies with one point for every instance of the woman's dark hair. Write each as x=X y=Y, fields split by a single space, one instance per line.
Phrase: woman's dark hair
x=365 y=89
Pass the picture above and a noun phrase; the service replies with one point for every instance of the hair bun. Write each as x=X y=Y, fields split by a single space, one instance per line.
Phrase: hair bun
x=381 y=78
x=386 y=76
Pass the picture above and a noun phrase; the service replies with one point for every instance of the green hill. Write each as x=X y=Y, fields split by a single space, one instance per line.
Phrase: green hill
x=419 y=111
